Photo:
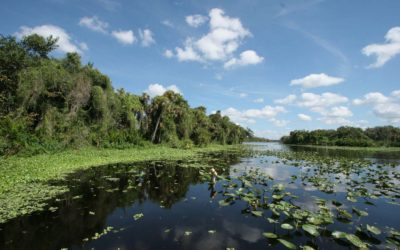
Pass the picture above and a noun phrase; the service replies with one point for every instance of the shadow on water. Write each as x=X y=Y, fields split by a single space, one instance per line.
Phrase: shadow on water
x=98 y=192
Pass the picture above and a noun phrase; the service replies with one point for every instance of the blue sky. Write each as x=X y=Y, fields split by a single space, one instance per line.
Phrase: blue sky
x=273 y=66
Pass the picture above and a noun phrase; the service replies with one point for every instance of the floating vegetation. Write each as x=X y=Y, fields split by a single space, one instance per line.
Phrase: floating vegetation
x=283 y=199
x=138 y=216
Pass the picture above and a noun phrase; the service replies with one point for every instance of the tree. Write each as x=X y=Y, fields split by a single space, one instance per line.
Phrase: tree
x=38 y=46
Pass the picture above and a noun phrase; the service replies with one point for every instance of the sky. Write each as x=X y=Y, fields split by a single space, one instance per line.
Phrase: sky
x=271 y=65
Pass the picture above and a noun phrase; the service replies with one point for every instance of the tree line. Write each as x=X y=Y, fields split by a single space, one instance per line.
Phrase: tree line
x=49 y=104
x=387 y=136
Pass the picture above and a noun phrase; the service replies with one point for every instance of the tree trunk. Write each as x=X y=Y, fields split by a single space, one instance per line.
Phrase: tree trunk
x=153 y=137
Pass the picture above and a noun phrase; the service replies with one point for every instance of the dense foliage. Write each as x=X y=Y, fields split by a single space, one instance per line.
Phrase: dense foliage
x=388 y=136
x=49 y=103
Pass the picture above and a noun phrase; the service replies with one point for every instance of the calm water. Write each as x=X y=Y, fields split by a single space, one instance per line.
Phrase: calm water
x=179 y=206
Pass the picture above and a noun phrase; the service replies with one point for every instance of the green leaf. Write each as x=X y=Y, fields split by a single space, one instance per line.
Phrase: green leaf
x=257 y=213
x=359 y=212
x=338 y=235
x=287 y=226
x=272 y=221
x=311 y=229
x=356 y=241
x=287 y=244
x=374 y=229
x=223 y=203
x=308 y=248
x=270 y=235
x=138 y=216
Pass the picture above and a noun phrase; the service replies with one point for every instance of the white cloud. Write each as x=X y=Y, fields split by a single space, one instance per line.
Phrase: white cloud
x=318 y=102
x=395 y=93
x=384 y=51
x=83 y=46
x=249 y=115
x=64 y=39
x=304 y=117
x=243 y=95
x=326 y=105
x=147 y=37
x=316 y=80
x=196 y=20
x=385 y=107
x=337 y=115
x=279 y=123
x=124 y=36
x=158 y=89
x=237 y=116
x=168 y=53
x=220 y=43
x=287 y=100
x=371 y=98
x=259 y=100
x=94 y=23
x=168 y=23
x=188 y=53
x=248 y=57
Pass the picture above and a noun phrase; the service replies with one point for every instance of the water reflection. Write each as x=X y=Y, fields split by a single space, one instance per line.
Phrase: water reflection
x=181 y=207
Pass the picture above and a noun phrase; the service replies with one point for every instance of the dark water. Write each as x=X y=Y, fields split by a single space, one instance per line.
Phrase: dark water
x=181 y=209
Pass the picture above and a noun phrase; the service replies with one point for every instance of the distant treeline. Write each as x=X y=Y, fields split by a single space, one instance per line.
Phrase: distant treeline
x=257 y=139
x=387 y=136
x=49 y=104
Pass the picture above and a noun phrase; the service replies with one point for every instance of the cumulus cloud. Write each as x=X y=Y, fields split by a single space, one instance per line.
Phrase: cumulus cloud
x=94 y=23
x=384 y=51
x=385 y=107
x=248 y=57
x=167 y=23
x=396 y=93
x=65 y=43
x=249 y=115
x=337 y=115
x=316 y=80
x=318 y=102
x=287 y=100
x=304 y=117
x=168 y=53
x=326 y=104
x=158 y=89
x=196 y=20
x=124 y=36
x=146 y=37
x=219 y=44
x=259 y=100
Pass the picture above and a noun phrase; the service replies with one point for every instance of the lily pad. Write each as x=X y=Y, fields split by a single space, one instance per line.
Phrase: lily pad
x=270 y=235
x=138 y=216
x=287 y=226
x=311 y=229
x=257 y=213
x=374 y=230
x=287 y=244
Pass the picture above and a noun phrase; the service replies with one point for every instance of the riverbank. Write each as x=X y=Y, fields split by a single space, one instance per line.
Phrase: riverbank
x=24 y=181
x=370 y=149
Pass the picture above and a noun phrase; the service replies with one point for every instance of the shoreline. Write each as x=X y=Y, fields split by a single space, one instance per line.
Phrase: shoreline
x=371 y=149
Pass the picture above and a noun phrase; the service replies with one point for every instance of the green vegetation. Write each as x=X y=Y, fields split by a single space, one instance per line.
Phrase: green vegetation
x=50 y=104
x=386 y=136
x=24 y=181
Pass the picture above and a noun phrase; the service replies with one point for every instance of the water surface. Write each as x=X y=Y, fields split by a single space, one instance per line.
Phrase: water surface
x=176 y=205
